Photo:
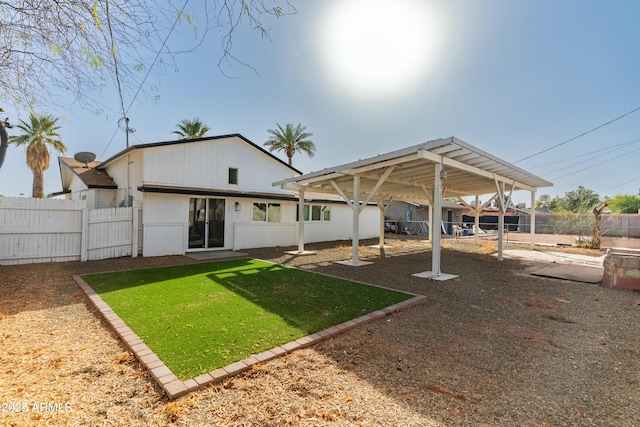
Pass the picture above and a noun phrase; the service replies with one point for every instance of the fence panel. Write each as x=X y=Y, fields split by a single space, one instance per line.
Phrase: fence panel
x=109 y=233
x=50 y=230
x=39 y=230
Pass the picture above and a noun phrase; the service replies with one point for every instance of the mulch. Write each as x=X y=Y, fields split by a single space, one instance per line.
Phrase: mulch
x=494 y=347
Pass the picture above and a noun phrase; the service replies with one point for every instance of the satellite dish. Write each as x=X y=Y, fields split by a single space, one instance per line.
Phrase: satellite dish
x=85 y=157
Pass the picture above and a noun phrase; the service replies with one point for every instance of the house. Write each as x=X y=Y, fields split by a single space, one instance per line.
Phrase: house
x=489 y=217
x=209 y=193
x=411 y=218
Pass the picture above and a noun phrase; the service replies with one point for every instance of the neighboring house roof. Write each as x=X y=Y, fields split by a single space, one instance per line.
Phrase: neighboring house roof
x=87 y=173
x=189 y=141
x=446 y=204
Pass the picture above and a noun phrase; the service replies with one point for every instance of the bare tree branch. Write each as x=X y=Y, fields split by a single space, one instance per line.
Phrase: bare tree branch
x=54 y=50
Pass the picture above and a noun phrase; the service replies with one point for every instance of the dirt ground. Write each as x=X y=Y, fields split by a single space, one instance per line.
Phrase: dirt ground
x=495 y=347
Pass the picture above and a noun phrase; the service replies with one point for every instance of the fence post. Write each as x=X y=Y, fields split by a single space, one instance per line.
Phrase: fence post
x=134 y=232
x=84 y=233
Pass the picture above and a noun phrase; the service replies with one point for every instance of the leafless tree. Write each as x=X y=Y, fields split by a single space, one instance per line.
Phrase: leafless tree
x=54 y=49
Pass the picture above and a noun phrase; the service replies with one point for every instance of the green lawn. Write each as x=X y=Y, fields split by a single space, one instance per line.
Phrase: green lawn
x=200 y=317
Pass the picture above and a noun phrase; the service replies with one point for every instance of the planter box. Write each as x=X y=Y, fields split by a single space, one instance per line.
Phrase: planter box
x=622 y=269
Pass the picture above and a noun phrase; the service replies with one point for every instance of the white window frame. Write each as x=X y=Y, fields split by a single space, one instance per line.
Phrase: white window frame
x=308 y=212
x=268 y=205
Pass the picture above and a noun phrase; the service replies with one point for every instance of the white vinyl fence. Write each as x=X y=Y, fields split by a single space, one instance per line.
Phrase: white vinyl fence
x=49 y=230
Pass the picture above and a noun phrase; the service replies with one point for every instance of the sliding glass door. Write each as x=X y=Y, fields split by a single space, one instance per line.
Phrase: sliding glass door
x=206 y=223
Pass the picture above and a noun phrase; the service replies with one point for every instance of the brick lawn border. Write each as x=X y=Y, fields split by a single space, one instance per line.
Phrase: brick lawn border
x=173 y=387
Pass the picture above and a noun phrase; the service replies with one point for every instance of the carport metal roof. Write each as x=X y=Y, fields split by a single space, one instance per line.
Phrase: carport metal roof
x=427 y=172
x=469 y=170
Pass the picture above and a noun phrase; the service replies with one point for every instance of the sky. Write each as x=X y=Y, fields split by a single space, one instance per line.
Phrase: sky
x=512 y=78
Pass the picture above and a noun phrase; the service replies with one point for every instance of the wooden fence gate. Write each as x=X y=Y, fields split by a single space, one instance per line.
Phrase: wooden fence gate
x=50 y=230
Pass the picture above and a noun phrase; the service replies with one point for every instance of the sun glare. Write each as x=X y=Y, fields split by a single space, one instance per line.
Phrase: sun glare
x=378 y=48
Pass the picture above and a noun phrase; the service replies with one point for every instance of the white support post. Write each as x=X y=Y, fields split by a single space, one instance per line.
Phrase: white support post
x=301 y=221
x=437 y=218
x=532 y=219
x=435 y=273
x=84 y=234
x=355 y=238
x=476 y=221
x=383 y=209
x=430 y=197
x=301 y=250
x=134 y=231
x=501 y=209
x=355 y=211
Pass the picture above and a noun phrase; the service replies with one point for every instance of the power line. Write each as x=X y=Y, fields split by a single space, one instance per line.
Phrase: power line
x=113 y=54
x=600 y=163
x=579 y=136
x=109 y=143
x=620 y=185
x=164 y=43
x=606 y=151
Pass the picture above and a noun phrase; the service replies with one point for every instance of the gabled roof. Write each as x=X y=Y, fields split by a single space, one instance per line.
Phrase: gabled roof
x=88 y=174
x=410 y=173
x=189 y=141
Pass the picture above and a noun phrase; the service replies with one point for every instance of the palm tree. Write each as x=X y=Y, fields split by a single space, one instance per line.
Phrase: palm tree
x=39 y=132
x=290 y=140
x=189 y=129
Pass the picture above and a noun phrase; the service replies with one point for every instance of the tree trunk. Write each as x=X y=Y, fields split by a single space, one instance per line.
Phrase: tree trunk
x=597 y=213
x=4 y=142
x=37 y=190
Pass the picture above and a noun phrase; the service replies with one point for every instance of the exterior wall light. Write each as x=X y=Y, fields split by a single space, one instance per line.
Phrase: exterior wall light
x=237 y=206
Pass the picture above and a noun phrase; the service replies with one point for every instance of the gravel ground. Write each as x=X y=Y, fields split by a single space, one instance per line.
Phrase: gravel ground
x=495 y=347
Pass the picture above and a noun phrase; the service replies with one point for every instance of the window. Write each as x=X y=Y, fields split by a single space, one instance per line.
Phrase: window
x=233 y=176
x=316 y=213
x=269 y=212
x=259 y=212
x=273 y=212
x=326 y=213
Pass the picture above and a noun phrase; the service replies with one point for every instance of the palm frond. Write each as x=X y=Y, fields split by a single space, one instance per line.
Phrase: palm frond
x=290 y=139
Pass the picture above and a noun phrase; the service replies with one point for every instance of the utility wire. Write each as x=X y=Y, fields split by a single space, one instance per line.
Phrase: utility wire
x=620 y=185
x=164 y=43
x=606 y=150
x=579 y=136
x=113 y=55
x=596 y=165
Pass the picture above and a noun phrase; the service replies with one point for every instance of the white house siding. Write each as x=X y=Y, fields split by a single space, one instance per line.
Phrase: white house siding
x=206 y=164
x=105 y=198
x=254 y=235
x=165 y=224
x=341 y=225
x=94 y=198
x=126 y=173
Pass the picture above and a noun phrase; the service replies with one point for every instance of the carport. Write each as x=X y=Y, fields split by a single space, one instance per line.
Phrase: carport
x=427 y=172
